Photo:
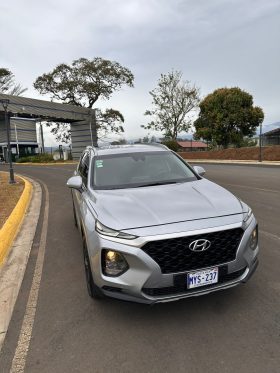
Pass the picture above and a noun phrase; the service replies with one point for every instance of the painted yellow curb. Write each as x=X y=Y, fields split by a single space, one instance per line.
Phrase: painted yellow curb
x=12 y=225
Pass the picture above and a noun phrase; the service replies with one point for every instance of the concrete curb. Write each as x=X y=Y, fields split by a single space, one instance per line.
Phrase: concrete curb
x=234 y=162
x=12 y=272
x=45 y=163
x=11 y=227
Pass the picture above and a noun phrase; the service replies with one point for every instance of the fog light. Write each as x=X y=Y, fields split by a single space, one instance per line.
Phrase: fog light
x=254 y=239
x=113 y=263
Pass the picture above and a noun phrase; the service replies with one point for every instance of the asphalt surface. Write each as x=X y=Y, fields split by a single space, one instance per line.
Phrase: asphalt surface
x=236 y=330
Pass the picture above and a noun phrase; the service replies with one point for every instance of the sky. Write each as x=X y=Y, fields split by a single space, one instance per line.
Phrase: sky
x=217 y=43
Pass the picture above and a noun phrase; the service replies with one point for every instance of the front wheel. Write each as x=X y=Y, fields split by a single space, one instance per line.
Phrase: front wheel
x=93 y=290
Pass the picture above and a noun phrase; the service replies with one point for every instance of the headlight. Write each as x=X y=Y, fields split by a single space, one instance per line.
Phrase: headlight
x=253 y=242
x=102 y=229
x=113 y=263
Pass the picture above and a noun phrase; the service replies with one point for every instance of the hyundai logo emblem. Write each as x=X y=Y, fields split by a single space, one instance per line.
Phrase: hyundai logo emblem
x=199 y=245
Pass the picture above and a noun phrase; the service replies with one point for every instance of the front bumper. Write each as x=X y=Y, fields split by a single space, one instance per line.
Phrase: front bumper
x=118 y=293
x=144 y=281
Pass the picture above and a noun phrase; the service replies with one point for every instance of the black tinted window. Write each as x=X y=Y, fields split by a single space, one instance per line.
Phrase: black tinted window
x=84 y=167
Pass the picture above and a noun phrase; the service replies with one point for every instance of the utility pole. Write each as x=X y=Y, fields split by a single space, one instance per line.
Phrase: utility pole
x=5 y=103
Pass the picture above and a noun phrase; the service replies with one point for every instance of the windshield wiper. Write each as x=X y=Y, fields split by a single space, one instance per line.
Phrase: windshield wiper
x=157 y=183
x=143 y=185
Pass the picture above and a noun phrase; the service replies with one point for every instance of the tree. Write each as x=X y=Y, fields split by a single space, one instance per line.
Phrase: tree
x=226 y=116
x=8 y=85
x=247 y=142
x=173 y=101
x=82 y=83
x=171 y=144
x=145 y=140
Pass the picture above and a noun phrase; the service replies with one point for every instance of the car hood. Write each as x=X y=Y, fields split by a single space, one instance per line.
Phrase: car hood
x=155 y=205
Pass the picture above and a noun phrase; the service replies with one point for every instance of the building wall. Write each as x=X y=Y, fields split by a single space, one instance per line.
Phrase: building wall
x=193 y=149
x=3 y=135
x=22 y=130
x=82 y=136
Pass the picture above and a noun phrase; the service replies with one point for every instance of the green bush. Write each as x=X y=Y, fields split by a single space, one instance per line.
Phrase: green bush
x=171 y=144
x=40 y=158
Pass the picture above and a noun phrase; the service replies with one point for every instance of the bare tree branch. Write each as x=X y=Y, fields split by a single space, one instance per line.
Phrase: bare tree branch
x=8 y=85
x=173 y=100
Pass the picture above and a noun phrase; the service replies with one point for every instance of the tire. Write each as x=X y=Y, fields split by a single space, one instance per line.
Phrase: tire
x=93 y=290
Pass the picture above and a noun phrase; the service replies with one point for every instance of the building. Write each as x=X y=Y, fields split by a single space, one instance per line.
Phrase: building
x=23 y=138
x=82 y=122
x=271 y=137
x=191 y=145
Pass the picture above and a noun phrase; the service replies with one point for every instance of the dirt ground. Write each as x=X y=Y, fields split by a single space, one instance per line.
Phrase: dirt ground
x=269 y=153
x=9 y=195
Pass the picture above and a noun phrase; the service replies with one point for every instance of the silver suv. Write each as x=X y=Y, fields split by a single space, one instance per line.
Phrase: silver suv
x=154 y=230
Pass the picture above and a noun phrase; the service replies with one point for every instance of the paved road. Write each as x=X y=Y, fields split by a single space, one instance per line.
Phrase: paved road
x=237 y=330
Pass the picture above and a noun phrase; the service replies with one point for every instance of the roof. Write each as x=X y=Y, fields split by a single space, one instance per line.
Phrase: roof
x=192 y=144
x=135 y=148
x=30 y=107
x=276 y=131
x=26 y=143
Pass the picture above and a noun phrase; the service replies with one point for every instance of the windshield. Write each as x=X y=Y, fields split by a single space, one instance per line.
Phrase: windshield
x=132 y=170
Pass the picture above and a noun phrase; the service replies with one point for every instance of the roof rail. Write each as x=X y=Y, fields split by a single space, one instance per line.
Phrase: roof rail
x=155 y=144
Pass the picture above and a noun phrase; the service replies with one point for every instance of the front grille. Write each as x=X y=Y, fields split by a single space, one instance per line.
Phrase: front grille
x=173 y=255
x=180 y=283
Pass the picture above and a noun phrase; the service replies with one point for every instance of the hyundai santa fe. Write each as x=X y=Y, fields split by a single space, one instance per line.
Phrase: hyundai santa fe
x=155 y=230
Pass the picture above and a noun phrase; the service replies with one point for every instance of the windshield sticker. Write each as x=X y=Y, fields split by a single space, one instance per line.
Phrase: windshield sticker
x=99 y=163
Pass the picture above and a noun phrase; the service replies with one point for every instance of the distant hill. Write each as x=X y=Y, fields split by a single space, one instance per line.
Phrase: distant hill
x=188 y=136
x=158 y=138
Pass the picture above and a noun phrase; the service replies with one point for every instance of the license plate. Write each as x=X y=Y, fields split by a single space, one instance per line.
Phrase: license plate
x=202 y=278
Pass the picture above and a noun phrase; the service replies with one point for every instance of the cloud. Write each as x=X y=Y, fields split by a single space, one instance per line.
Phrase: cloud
x=215 y=43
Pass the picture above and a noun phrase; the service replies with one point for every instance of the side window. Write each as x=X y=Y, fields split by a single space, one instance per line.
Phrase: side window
x=84 y=167
x=80 y=165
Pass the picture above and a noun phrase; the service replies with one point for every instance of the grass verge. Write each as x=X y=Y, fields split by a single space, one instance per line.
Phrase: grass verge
x=9 y=195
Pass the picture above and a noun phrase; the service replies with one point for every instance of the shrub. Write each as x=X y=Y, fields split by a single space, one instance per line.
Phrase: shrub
x=171 y=144
x=40 y=158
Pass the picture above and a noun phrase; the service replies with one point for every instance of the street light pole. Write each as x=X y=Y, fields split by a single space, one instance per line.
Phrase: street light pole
x=260 y=144
x=5 y=103
x=42 y=138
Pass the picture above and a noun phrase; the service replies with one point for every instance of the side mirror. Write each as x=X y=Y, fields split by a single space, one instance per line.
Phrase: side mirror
x=199 y=170
x=75 y=182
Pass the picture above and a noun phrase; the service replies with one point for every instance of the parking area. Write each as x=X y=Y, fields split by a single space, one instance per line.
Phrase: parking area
x=237 y=330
